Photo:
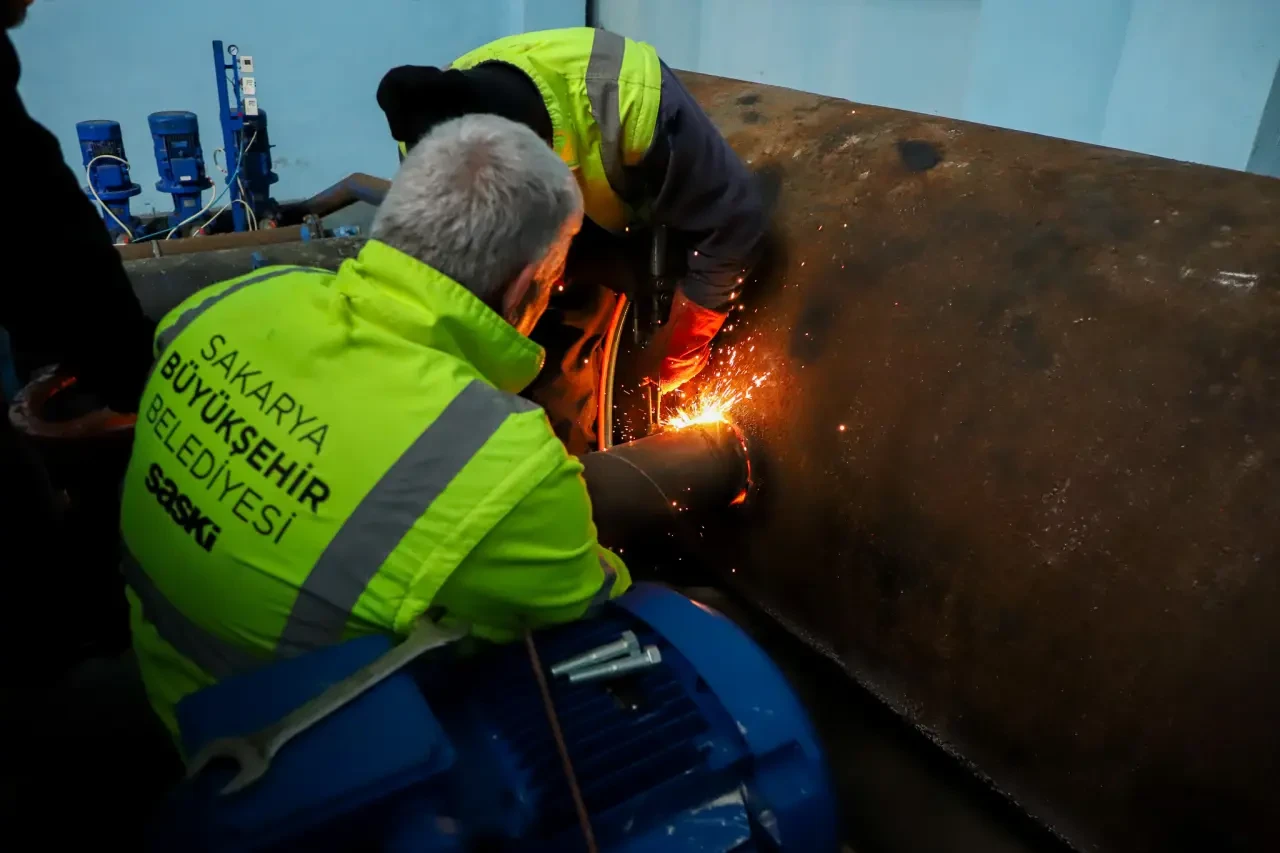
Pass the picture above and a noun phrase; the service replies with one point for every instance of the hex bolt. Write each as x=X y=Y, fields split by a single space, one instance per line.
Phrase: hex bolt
x=625 y=645
x=650 y=657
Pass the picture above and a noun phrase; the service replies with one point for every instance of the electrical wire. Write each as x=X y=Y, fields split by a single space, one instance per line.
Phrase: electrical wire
x=553 y=719
x=253 y=226
x=168 y=232
x=214 y=201
x=248 y=209
x=235 y=176
x=219 y=212
x=252 y=217
x=88 y=178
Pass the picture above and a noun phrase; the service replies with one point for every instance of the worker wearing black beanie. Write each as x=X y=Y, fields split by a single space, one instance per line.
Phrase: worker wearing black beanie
x=417 y=98
x=635 y=141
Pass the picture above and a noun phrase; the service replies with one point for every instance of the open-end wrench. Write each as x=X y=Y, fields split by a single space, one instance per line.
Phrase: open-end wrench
x=253 y=752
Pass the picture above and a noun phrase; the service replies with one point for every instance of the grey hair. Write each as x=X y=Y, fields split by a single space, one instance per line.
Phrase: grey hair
x=479 y=198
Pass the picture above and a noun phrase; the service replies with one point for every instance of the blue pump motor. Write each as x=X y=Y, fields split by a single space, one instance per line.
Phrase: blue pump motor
x=255 y=166
x=102 y=152
x=707 y=751
x=179 y=160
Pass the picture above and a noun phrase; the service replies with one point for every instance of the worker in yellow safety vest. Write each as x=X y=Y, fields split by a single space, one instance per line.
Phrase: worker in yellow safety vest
x=642 y=150
x=320 y=456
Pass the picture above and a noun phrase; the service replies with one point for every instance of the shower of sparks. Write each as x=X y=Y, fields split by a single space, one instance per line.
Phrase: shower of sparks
x=727 y=386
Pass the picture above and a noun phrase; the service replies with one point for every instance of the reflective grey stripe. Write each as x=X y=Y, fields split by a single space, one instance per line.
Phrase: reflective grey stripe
x=389 y=511
x=186 y=318
x=214 y=655
x=606 y=585
x=603 y=71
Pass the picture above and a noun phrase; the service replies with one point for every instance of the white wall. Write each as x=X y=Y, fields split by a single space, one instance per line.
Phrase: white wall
x=1177 y=78
x=1187 y=79
x=911 y=54
x=318 y=67
x=1194 y=78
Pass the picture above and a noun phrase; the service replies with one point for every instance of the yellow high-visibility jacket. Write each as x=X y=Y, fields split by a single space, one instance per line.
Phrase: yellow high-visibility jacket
x=602 y=92
x=320 y=456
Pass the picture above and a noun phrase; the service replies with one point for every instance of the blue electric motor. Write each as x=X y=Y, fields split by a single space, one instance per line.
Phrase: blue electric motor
x=708 y=750
x=255 y=168
x=180 y=161
x=102 y=152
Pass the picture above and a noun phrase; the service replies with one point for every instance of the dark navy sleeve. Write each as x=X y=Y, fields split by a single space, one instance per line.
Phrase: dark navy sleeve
x=80 y=308
x=704 y=191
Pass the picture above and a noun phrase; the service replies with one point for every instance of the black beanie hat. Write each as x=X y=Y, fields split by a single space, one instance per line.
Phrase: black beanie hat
x=416 y=98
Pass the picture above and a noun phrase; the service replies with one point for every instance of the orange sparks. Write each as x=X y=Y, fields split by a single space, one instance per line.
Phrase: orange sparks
x=717 y=397
x=722 y=388
x=710 y=407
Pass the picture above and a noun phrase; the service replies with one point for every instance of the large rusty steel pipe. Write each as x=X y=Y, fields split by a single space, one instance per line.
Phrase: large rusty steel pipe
x=1022 y=441
x=648 y=487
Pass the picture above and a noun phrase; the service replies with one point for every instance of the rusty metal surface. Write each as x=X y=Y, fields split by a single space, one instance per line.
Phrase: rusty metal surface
x=1048 y=531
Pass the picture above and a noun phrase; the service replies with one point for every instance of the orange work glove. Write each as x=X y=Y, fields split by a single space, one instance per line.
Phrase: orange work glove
x=685 y=340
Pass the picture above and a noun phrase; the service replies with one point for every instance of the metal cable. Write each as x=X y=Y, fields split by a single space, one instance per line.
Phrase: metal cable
x=608 y=370
x=88 y=176
x=584 y=820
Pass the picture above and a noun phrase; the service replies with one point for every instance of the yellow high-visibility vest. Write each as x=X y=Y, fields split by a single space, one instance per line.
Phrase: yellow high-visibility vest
x=320 y=456
x=602 y=93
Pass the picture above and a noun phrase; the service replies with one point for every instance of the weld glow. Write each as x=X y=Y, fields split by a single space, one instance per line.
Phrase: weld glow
x=716 y=397
x=710 y=406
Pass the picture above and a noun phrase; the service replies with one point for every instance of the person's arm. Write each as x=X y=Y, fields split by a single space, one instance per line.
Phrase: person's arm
x=705 y=191
x=81 y=310
x=540 y=565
